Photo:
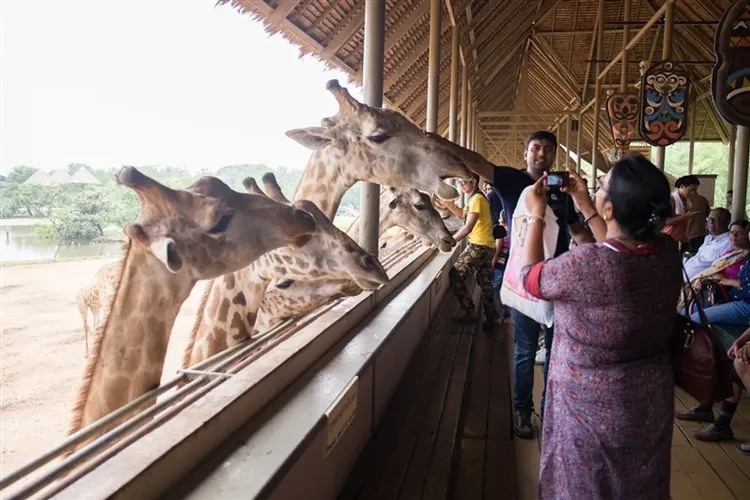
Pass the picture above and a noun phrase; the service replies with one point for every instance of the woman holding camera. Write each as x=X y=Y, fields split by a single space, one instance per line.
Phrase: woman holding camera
x=609 y=407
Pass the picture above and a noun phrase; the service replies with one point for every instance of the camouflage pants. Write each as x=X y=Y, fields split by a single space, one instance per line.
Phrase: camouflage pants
x=478 y=259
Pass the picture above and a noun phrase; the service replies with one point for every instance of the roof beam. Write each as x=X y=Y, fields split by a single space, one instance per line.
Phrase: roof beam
x=546 y=50
x=345 y=34
x=279 y=13
x=396 y=35
x=490 y=114
x=657 y=15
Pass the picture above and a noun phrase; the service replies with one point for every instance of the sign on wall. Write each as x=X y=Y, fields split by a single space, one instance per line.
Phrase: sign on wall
x=664 y=104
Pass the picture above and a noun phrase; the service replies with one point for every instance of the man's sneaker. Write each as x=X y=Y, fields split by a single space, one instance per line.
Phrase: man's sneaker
x=522 y=424
x=696 y=415
x=713 y=433
x=541 y=355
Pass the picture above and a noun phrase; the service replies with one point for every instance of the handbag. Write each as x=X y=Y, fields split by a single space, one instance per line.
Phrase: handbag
x=710 y=294
x=701 y=367
x=513 y=293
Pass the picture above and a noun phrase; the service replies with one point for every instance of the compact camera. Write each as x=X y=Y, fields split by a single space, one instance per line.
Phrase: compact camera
x=557 y=180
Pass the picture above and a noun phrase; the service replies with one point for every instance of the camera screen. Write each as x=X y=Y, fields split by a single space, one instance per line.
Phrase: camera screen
x=554 y=180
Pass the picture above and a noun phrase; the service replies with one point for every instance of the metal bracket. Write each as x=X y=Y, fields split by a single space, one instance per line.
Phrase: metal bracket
x=197 y=373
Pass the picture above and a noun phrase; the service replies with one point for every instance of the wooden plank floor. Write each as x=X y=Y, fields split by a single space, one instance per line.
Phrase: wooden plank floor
x=447 y=432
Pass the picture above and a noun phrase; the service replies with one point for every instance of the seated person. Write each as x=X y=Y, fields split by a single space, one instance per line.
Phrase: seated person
x=720 y=428
x=737 y=311
x=715 y=244
x=726 y=266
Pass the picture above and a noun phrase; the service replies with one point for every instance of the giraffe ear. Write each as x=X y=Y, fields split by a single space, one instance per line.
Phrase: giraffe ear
x=165 y=250
x=312 y=137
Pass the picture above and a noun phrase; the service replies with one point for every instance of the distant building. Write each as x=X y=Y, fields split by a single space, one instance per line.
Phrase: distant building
x=60 y=176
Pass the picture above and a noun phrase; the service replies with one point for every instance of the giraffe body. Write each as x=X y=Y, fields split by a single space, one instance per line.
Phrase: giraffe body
x=359 y=143
x=180 y=237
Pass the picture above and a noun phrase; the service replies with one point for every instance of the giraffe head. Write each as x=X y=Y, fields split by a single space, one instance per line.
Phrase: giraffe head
x=330 y=254
x=288 y=299
x=208 y=229
x=381 y=146
x=413 y=211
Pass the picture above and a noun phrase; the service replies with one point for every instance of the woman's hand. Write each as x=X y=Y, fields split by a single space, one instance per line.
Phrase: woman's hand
x=577 y=190
x=536 y=198
x=698 y=285
x=743 y=353
x=730 y=283
x=732 y=352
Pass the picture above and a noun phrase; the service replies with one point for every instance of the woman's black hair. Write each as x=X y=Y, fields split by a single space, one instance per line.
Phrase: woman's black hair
x=742 y=223
x=640 y=194
x=687 y=180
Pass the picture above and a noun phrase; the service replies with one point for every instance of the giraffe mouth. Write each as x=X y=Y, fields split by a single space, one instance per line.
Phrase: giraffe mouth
x=367 y=284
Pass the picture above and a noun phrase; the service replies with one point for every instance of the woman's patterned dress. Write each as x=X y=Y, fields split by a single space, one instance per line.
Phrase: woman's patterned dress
x=610 y=395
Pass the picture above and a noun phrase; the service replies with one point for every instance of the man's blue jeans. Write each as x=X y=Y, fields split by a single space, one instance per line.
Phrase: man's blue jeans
x=526 y=340
x=731 y=313
x=497 y=284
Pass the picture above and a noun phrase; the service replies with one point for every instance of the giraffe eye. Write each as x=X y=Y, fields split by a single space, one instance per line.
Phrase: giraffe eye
x=285 y=284
x=379 y=138
x=420 y=207
x=222 y=225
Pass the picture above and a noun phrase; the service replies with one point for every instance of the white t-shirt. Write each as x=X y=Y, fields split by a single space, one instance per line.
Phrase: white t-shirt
x=711 y=249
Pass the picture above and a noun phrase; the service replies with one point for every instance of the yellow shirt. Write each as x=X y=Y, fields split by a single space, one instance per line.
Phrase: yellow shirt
x=482 y=232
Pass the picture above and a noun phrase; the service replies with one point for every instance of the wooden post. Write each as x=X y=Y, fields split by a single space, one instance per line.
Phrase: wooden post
x=567 y=141
x=691 y=150
x=469 y=121
x=372 y=78
x=597 y=93
x=464 y=103
x=453 y=111
x=666 y=54
x=742 y=154
x=732 y=152
x=625 y=41
x=433 y=70
x=578 y=144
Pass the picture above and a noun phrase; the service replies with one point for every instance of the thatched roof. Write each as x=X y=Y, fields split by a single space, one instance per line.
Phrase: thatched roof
x=547 y=41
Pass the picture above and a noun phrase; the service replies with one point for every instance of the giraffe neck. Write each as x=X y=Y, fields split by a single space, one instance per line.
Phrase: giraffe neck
x=324 y=182
x=130 y=346
x=227 y=314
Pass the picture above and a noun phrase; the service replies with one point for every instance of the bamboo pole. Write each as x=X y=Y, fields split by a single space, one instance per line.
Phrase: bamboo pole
x=374 y=46
x=666 y=54
x=597 y=93
x=453 y=111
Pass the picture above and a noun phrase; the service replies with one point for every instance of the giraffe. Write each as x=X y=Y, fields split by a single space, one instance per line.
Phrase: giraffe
x=405 y=209
x=358 y=143
x=222 y=323
x=179 y=237
x=376 y=145
x=93 y=296
x=413 y=211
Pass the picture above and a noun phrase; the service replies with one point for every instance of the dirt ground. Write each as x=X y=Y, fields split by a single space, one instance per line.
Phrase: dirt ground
x=42 y=353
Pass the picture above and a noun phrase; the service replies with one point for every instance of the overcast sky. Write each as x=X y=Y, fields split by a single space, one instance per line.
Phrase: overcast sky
x=170 y=82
